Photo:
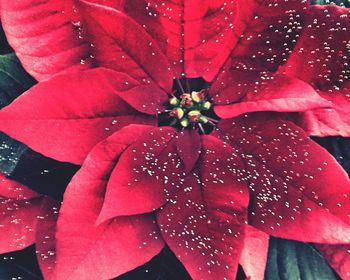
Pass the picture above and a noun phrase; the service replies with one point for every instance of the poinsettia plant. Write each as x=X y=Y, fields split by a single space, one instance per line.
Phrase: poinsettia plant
x=190 y=121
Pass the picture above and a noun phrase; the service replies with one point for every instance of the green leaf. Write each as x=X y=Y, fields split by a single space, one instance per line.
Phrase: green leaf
x=10 y=153
x=14 y=80
x=345 y=3
x=292 y=260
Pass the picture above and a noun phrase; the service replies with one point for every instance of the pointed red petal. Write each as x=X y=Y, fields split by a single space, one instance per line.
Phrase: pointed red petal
x=265 y=32
x=338 y=257
x=325 y=122
x=321 y=58
x=298 y=191
x=199 y=36
x=72 y=113
x=45 y=36
x=254 y=254
x=123 y=45
x=181 y=28
x=45 y=243
x=18 y=219
x=148 y=99
x=86 y=251
x=321 y=53
x=24 y=218
x=331 y=121
x=14 y=190
x=167 y=35
x=189 y=146
x=249 y=91
x=28 y=219
x=148 y=170
x=116 y=4
x=204 y=223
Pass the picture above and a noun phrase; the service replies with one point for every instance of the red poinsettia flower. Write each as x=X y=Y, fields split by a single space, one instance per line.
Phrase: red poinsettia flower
x=27 y=218
x=198 y=213
x=177 y=168
x=244 y=43
x=321 y=58
x=287 y=174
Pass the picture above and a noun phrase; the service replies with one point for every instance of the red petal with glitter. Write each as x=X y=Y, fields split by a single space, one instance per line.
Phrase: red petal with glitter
x=254 y=254
x=148 y=170
x=45 y=36
x=188 y=146
x=33 y=220
x=200 y=36
x=263 y=34
x=325 y=122
x=243 y=91
x=45 y=241
x=180 y=28
x=14 y=190
x=72 y=113
x=116 y=4
x=338 y=257
x=20 y=208
x=321 y=58
x=123 y=45
x=297 y=189
x=148 y=99
x=204 y=223
x=18 y=223
x=87 y=251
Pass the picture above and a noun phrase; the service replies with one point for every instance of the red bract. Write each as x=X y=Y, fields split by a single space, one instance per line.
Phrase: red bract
x=164 y=169
x=199 y=213
x=254 y=254
x=26 y=219
x=203 y=225
x=19 y=210
x=78 y=111
x=201 y=178
x=47 y=35
x=338 y=257
x=246 y=86
x=248 y=40
x=321 y=58
x=199 y=33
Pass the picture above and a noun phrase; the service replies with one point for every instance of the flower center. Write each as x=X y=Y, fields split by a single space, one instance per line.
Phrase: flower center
x=189 y=107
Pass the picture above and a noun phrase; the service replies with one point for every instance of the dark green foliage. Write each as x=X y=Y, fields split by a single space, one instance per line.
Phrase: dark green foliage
x=14 y=80
x=345 y=3
x=291 y=260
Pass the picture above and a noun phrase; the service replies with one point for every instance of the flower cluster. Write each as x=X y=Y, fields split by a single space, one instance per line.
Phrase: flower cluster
x=191 y=123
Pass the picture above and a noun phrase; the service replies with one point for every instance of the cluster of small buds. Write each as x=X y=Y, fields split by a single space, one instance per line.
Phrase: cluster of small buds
x=187 y=109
